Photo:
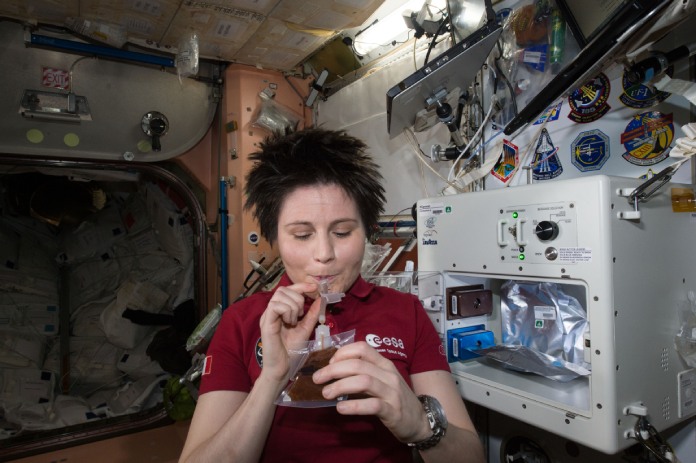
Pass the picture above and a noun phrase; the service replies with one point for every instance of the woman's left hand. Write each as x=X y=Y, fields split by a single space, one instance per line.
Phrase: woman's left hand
x=360 y=369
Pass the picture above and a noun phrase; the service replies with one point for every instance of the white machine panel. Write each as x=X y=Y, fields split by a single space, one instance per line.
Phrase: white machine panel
x=629 y=269
x=548 y=222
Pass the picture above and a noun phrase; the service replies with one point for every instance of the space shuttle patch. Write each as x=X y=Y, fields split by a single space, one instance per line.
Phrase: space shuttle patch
x=546 y=164
x=588 y=102
x=647 y=138
x=590 y=150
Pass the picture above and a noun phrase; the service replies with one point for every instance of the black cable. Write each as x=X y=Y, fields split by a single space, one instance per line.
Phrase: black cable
x=654 y=443
x=460 y=108
x=251 y=274
x=445 y=21
x=430 y=48
x=424 y=155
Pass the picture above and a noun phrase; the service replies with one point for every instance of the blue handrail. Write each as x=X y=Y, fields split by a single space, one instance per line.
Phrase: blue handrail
x=224 y=287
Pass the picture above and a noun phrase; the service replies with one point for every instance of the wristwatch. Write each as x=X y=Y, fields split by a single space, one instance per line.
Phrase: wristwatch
x=436 y=419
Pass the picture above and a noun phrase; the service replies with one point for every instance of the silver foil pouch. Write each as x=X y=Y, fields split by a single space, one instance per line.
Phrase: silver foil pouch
x=543 y=317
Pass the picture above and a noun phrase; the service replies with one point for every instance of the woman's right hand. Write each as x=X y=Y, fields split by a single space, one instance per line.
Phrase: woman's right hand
x=284 y=325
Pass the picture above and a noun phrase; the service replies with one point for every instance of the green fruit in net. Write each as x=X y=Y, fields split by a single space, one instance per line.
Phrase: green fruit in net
x=177 y=400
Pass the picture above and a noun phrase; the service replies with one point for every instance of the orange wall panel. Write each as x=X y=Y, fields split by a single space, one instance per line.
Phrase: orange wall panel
x=224 y=152
x=242 y=87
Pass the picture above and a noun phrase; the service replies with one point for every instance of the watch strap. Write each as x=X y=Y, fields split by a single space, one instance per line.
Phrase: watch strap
x=438 y=430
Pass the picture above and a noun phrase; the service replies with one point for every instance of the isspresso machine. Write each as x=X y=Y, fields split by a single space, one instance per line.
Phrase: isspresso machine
x=590 y=275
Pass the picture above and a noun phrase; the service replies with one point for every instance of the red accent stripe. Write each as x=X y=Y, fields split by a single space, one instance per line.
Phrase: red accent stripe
x=208 y=365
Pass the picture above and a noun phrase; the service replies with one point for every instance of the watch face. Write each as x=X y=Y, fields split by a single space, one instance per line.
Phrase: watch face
x=438 y=413
x=436 y=419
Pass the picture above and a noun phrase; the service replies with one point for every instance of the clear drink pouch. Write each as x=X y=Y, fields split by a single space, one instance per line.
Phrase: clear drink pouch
x=302 y=392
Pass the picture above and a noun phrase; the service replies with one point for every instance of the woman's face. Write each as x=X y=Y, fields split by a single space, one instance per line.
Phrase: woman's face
x=321 y=236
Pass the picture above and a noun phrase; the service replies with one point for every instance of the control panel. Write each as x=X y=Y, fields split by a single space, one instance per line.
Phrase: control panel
x=539 y=233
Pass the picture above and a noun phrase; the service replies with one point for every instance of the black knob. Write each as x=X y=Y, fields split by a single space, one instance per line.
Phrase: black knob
x=546 y=230
x=444 y=111
x=155 y=125
x=158 y=126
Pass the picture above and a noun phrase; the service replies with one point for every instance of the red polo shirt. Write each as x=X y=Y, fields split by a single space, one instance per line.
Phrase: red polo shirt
x=394 y=323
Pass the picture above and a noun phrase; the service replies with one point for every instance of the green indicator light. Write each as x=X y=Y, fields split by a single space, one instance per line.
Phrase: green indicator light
x=521 y=257
x=515 y=215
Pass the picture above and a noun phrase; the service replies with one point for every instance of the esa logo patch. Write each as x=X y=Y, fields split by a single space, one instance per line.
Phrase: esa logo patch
x=377 y=342
x=386 y=345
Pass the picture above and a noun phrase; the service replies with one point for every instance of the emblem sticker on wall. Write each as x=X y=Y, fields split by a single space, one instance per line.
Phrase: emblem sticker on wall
x=641 y=95
x=590 y=150
x=647 y=138
x=507 y=162
x=551 y=114
x=546 y=164
x=589 y=101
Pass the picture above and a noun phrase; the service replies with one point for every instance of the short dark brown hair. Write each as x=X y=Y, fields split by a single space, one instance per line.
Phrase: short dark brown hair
x=309 y=157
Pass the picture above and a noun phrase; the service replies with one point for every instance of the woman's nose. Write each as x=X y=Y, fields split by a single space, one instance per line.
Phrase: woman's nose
x=324 y=251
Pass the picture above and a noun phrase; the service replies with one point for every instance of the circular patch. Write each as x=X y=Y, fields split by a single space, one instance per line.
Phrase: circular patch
x=647 y=138
x=144 y=146
x=35 y=135
x=641 y=95
x=71 y=140
x=589 y=101
x=590 y=150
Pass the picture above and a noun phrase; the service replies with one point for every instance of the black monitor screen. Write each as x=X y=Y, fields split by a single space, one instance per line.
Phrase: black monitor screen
x=453 y=69
x=587 y=17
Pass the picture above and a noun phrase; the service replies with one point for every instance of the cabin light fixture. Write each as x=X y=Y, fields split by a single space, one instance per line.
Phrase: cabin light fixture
x=382 y=31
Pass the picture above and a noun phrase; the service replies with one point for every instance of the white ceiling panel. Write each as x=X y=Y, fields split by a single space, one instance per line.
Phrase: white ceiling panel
x=273 y=34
